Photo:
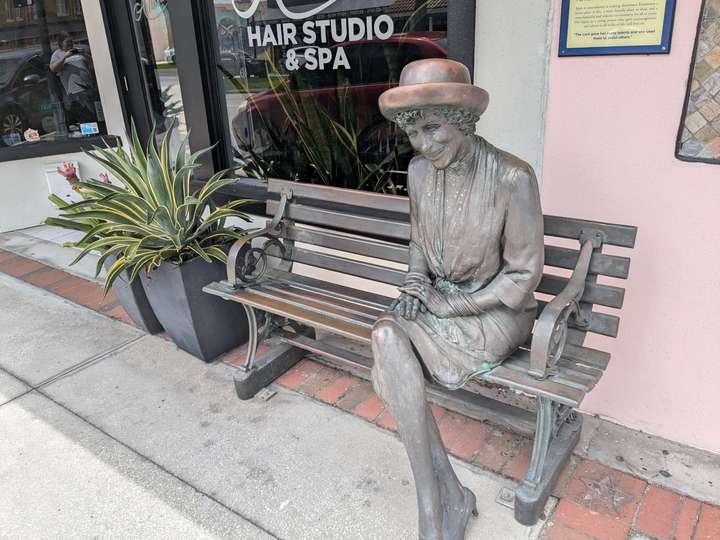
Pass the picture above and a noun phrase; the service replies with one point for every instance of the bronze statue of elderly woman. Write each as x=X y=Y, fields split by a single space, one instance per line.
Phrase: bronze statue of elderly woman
x=476 y=257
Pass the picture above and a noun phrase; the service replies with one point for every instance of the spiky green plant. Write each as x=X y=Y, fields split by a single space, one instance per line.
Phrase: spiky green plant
x=153 y=217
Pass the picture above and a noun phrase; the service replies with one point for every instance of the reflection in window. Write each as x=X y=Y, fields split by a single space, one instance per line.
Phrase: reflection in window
x=156 y=48
x=48 y=90
x=61 y=8
x=302 y=91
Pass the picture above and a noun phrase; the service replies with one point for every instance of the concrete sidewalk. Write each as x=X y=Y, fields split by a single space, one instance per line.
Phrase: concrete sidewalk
x=110 y=433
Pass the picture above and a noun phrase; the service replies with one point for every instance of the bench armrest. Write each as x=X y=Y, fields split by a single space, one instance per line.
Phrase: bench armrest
x=271 y=231
x=551 y=328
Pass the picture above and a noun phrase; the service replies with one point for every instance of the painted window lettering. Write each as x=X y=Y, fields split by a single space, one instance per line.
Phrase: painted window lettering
x=315 y=34
x=250 y=11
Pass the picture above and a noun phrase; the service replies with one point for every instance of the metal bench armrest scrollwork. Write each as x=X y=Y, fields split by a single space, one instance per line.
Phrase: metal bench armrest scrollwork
x=254 y=264
x=550 y=333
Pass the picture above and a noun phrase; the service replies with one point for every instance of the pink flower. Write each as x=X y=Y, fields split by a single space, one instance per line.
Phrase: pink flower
x=68 y=170
x=104 y=178
x=31 y=135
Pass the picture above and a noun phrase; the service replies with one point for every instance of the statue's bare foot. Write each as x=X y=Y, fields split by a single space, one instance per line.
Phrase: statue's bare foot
x=456 y=517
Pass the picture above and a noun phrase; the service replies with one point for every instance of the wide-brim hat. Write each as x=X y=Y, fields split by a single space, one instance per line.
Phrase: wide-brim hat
x=433 y=82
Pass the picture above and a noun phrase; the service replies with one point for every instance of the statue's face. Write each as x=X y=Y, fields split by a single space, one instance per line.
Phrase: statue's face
x=436 y=139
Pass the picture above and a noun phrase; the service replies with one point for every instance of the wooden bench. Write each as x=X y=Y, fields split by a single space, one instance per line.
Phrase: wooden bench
x=338 y=230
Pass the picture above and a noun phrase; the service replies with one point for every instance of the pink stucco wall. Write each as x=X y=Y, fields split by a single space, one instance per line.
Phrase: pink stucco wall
x=609 y=155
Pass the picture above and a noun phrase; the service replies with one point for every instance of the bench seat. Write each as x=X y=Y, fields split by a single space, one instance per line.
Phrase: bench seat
x=351 y=313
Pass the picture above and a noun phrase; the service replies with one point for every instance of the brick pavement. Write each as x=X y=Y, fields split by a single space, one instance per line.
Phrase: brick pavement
x=596 y=502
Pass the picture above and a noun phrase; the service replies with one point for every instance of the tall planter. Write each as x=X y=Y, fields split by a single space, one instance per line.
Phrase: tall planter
x=199 y=323
x=131 y=296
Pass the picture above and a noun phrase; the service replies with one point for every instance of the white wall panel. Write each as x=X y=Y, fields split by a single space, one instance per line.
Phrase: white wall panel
x=512 y=47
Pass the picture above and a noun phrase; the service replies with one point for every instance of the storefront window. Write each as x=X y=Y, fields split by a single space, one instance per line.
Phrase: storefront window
x=302 y=80
x=48 y=91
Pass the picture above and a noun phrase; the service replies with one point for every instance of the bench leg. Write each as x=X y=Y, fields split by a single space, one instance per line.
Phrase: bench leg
x=252 y=343
x=260 y=372
x=557 y=433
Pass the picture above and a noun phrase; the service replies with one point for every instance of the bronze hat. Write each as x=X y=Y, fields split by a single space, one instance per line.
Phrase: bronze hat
x=432 y=82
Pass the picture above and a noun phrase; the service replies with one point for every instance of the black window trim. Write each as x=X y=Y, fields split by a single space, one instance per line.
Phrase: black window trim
x=42 y=149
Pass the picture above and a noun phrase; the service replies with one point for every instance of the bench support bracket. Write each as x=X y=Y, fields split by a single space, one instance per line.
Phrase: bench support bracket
x=557 y=433
x=268 y=367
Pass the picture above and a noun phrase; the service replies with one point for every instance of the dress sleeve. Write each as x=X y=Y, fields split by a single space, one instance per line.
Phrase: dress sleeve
x=523 y=251
x=416 y=261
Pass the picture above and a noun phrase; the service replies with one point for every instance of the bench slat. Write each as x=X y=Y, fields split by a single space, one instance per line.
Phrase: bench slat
x=568 y=372
x=372 y=226
x=617 y=235
x=356 y=308
x=340 y=241
x=517 y=380
x=348 y=266
x=323 y=308
x=600 y=263
x=587 y=356
x=605 y=295
x=348 y=293
x=350 y=197
x=600 y=323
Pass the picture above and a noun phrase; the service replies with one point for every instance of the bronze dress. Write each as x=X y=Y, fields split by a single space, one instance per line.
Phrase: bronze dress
x=479 y=226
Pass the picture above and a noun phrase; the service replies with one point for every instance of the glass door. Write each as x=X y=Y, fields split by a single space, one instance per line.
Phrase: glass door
x=155 y=46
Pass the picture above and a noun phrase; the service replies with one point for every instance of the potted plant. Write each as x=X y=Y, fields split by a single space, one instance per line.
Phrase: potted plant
x=130 y=294
x=173 y=239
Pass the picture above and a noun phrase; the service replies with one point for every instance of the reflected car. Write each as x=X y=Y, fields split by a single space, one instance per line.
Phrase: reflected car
x=25 y=95
x=242 y=64
x=374 y=67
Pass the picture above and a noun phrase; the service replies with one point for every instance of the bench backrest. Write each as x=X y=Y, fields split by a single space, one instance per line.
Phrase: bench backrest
x=377 y=226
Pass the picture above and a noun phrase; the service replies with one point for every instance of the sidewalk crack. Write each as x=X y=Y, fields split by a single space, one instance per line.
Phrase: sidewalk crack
x=72 y=370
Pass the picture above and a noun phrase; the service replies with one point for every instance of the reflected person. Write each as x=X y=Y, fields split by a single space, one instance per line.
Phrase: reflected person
x=476 y=257
x=74 y=67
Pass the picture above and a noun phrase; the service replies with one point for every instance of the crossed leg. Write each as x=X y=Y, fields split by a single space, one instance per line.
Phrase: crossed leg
x=399 y=381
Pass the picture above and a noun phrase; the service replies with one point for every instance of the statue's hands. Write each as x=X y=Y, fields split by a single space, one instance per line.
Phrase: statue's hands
x=435 y=302
x=406 y=306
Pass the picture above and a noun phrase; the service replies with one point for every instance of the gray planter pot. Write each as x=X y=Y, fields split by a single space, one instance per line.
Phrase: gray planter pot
x=133 y=299
x=199 y=323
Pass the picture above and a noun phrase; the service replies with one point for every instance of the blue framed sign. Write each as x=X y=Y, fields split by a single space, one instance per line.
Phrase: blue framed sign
x=604 y=27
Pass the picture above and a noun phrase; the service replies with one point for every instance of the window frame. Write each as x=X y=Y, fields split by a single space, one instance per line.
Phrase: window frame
x=43 y=149
x=54 y=148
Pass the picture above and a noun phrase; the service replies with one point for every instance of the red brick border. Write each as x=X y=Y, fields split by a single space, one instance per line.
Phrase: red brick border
x=597 y=503
x=76 y=289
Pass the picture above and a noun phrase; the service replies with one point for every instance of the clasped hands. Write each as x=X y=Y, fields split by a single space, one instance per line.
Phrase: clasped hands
x=418 y=295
